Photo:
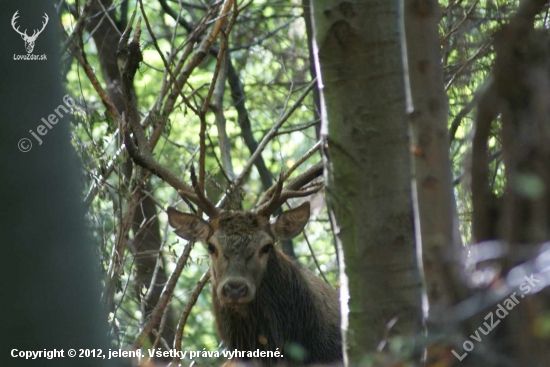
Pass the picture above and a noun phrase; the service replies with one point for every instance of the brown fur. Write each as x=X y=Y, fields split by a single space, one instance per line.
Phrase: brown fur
x=261 y=298
x=291 y=304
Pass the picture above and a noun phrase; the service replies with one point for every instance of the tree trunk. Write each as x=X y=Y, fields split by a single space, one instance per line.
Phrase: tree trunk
x=360 y=73
x=522 y=80
x=436 y=219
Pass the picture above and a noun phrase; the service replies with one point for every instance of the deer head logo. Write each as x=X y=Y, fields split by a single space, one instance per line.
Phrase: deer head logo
x=29 y=40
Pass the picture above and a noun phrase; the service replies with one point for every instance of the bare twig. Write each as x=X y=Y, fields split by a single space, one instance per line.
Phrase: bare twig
x=466 y=63
x=298 y=187
x=117 y=256
x=80 y=56
x=78 y=26
x=304 y=158
x=260 y=40
x=129 y=56
x=164 y=298
x=298 y=128
x=238 y=96
x=457 y=27
x=315 y=258
x=217 y=108
x=267 y=139
x=166 y=65
x=185 y=314
x=460 y=116
x=199 y=54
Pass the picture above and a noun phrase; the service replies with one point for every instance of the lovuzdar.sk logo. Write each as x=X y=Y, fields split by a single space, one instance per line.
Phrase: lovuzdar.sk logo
x=29 y=40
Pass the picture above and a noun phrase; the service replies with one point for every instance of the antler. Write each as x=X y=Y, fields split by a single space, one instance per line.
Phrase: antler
x=203 y=203
x=35 y=34
x=24 y=34
x=13 y=19
x=266 y=209
x=298 y=187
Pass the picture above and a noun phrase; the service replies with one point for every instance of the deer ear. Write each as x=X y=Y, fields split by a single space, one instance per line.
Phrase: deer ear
x=290 y=223
x=188 y=226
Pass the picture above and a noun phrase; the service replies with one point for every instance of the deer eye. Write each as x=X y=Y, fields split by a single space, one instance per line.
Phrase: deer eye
x=211 y=249
x=266 y=248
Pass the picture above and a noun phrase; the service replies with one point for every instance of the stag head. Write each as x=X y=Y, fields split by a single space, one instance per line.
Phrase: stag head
x=240 y=243
x=29 y=40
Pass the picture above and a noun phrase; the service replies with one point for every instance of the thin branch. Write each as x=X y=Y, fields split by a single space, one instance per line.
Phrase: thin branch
x=298 y=128
x=270 y=135
x=315 y=258
x=217 y=108
x=80 y=56
x=129 y=56
x=460 y=116
x=96 y=185
x=117 y=256
x=199 y=55
x=164 y=297
x=239 y=99
x=78 y=27
x=300 y=186
x=457 y=27
x=238 y=96
x=166 y=65
x=220 y=164
x=466 y=63
x=260 y=40
x=186 y=312
x=305 y=157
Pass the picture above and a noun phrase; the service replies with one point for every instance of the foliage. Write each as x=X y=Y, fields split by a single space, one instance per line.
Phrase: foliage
x=268 y=46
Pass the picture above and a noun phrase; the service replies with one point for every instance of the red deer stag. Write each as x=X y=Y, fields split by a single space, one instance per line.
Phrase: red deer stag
x=261 y=298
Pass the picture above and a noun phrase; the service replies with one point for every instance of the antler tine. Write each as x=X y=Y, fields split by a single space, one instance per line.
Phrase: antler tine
x=203 y=203
x=306 y=191
x=286 y=194
x=304 y=178
x=45 y=16
x=295 y=188
x=13 y=25
x=266 y=209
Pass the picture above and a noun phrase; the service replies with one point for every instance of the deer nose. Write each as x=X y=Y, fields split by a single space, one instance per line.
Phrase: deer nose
x=235 y=289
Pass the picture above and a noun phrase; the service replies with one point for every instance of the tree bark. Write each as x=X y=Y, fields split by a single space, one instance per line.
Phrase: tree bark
x=436 y=219
x=522 y=81
x=368 y=184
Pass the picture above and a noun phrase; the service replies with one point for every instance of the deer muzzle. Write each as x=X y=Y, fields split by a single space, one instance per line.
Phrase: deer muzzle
x=235 y=291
